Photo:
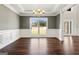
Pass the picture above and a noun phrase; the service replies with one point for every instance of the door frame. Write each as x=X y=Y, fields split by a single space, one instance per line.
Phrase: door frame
x=30 y=23
x=70 y=27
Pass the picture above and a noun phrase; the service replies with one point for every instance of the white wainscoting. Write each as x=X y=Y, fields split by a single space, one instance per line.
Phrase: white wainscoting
x=50 y=33
x=8 y=36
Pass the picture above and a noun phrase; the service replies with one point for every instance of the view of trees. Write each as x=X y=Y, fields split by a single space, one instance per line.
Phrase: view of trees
x=41 y=23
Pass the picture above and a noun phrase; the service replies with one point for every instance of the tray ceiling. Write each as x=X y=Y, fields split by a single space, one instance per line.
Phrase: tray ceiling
x=27 y=9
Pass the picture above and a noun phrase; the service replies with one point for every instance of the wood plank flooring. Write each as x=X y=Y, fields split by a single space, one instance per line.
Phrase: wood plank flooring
x=43 y=46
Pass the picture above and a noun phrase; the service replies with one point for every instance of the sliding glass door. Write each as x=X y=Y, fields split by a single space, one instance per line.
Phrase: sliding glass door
x=38 y=26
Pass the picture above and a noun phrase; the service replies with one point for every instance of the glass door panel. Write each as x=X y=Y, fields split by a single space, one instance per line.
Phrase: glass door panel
x=42 y=26
x=34 y=26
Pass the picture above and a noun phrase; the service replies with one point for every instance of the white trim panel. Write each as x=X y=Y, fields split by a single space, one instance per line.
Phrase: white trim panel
x=50 y=33
x=8 y=36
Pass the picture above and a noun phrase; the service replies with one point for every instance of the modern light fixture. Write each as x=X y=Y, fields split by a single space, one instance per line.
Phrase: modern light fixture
x=38 y=11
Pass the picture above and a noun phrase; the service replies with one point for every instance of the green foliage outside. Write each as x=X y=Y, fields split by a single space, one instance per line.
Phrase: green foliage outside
x=41 y=23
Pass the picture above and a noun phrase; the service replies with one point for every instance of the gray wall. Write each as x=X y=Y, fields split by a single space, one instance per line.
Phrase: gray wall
x=51 y=22
x=24 y=22
x=58 y=21
x=8 y=19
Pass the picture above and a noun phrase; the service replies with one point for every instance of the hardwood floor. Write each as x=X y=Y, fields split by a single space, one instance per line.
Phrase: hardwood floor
x=43 y=46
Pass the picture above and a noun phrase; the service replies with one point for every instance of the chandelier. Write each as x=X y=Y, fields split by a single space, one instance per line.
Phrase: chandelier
x=38 y=11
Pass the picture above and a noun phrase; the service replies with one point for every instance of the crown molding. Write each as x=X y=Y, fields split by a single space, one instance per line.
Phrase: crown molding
x=67 y=7
x=11 y=8
x=22 y=9
x=27 y=14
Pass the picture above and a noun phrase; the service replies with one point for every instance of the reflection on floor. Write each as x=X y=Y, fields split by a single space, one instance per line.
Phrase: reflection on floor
x=68 y=45
x=38 y=46
x=43 y=46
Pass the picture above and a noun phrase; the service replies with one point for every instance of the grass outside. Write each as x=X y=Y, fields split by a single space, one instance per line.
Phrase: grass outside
x=42 y=30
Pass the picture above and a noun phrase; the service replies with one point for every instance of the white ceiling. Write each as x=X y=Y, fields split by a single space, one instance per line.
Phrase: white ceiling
x=26 y=9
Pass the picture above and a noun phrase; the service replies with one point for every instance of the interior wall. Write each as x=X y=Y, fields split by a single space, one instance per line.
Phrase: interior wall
x=24 y=22
x=58 y=21
x=53 y=22
x=8 y=19
x=52 y=30
x=75 y=12
x=72 y=16
x=9 y=26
